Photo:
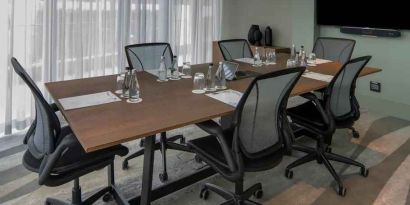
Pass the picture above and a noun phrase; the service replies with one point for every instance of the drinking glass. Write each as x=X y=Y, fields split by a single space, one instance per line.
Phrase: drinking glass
x=312 y=59
x=120 y=82
x=186 y=70
x=290 y=63
x=199 y=83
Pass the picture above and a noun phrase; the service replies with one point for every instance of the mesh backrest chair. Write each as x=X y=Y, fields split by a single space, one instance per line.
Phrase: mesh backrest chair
x=235 y=48
x=56 y=154
x=338 y=109
x=258 y=137
x=334 y=49
x=147 y=56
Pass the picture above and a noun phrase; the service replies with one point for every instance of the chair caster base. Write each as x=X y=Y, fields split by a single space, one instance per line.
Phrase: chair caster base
x=364 y=172
x=163 y=177
x=204 y=194
x=355 y=134
x=289 y=174
x=107 y=197
x=125 y=165
x=258 y=194
x=341 y=191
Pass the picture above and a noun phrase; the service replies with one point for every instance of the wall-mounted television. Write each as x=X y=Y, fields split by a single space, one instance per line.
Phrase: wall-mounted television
x=392 y=14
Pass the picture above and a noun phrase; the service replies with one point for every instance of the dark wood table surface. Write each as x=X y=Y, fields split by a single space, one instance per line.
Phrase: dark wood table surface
x=165 y=106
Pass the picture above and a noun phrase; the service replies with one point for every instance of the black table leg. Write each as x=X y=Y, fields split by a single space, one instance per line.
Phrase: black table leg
x=149 y=148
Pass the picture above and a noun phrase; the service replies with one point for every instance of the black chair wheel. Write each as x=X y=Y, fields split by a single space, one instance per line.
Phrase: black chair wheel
x=364 y=172
x=328 y=149
x=182 y=140
x=289 y=174
x=198 y=159
x=142 y=143
x=342 y=191
x=107 y=197
x=258 y=194
x=125 y=165
x=355 y=134
x=163 y=177
x=204 y=194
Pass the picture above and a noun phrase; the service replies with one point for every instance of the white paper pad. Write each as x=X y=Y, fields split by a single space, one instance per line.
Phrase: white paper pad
x=318 y=76
x=321 y=61
x=230 y=97
x=296 y=101
x=245 y=60
x=88 y=100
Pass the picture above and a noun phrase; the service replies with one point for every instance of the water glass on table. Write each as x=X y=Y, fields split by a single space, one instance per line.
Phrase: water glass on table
x=186 y=70
x=119 y=84
x=312 y=59
x=199 y=83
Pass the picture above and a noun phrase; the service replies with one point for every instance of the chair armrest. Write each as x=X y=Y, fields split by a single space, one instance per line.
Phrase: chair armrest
x=50 y=160
x=318 y=105
x=216 y=130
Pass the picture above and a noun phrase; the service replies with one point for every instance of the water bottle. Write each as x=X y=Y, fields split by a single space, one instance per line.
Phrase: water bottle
x=134 y=89
x=220 y=82
x=210 y=79
x=162 y=71
x=174 y=69
x=293 y=52
x=126 y=83
x=257 y=58
x=303 y=58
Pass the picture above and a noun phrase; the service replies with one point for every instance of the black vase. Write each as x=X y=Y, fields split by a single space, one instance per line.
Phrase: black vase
x=251 y=35
x=258 y=37
x=268 y=36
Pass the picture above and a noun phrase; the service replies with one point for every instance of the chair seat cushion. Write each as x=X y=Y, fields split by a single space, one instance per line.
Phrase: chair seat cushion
x=307 y=113
x=75 y=157
x=209 y=148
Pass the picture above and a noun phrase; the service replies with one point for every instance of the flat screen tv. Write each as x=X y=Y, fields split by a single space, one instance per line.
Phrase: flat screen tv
x=393 y=14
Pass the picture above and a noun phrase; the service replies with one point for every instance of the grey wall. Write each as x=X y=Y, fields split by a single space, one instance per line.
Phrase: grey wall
x=294 y=22
x=239 y=15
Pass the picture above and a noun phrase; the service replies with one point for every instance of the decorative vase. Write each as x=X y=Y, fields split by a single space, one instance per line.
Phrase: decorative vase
x=268 y=36
x=251 y=36
x=258 y=37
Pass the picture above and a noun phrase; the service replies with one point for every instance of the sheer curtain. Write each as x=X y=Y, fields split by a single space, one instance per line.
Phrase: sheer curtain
x=69 y=39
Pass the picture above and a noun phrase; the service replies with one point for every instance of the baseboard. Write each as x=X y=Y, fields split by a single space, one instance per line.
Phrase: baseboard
x=383 y=106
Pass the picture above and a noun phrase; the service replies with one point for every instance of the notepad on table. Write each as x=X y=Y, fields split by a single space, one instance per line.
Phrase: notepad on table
x=246 y=60
x=318 y=76
x=230 y=97
x=88 y=100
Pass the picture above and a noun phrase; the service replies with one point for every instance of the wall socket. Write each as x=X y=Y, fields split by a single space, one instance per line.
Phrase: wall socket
x=375 y=86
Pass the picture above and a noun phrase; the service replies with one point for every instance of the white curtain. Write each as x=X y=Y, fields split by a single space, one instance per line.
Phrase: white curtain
x=69 y=39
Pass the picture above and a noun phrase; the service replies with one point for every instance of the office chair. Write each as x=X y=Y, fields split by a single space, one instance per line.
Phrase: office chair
x=334 y=49
x=55 y=153
x=235 y=48
x=144 y=57
x=338 y=109
x=257 y=139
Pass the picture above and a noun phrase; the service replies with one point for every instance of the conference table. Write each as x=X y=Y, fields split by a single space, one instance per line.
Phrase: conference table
x=165 y=106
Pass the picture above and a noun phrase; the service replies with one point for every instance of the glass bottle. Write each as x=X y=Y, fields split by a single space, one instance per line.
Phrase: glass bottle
x=220 y=82
x=134 y=88
x=162 y=71
x=293 y=52
x=210 y=79
x=126 y=83
x=174 y=69
x=257 y=58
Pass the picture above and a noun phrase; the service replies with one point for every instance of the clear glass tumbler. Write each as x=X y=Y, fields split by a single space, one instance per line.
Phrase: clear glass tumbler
x=199 y=83
x=186 y=70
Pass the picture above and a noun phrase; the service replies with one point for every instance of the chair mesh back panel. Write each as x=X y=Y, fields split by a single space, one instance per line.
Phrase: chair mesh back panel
x=342 y=87
x=235 y=49
x=47 y=124
x=334 y=49
x=148 y=56
x=258 y=129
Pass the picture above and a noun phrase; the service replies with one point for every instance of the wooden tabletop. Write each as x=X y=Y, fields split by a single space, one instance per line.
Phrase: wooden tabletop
x=165 y=106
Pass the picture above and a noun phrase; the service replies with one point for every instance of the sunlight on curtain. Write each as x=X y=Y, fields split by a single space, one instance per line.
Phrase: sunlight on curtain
x=69 y=39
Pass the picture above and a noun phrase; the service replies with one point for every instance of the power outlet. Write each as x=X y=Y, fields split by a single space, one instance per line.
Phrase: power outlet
x=375 y=86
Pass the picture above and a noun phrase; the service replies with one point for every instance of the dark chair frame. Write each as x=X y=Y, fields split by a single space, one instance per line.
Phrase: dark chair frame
x=323 y=153
x=54 y=153
x=246 y=44
x=164 y=142
x=331 y=38
x=234 y=155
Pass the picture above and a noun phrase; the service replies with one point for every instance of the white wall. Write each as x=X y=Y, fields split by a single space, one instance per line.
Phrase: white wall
x=239 y=15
